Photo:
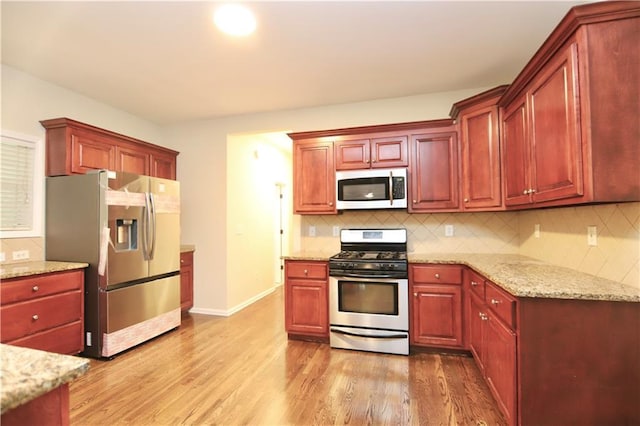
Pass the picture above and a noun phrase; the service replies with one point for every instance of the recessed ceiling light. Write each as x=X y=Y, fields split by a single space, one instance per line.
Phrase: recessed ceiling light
x=234 y=19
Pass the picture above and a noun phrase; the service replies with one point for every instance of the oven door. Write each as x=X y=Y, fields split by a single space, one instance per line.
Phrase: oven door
x=374 y=303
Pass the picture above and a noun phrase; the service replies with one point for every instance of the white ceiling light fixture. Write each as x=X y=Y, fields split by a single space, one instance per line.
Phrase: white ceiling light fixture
x=235 y=19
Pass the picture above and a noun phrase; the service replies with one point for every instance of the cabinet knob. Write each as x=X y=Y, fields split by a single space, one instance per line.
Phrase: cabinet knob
x=483 y=317
x=437 y=276
x=494 y=301
x=35 y=317
x=331 y=203
x=466 y=200
x=306 y=272
x=473 y=283
x=532 y=191
x=35 y=288
x=181 y=261
x=415 y=202
x=415 y=294
x=525 y=192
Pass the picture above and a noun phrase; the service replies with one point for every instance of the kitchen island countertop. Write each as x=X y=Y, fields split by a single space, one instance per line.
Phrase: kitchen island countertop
x=521 y=276
x=24 y=269
x=27 y=374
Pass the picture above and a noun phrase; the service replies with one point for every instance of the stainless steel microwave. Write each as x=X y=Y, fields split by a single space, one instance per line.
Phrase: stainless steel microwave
x=371 y=189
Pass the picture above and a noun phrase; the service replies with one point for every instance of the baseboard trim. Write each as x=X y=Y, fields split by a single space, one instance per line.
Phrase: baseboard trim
x=235 y=309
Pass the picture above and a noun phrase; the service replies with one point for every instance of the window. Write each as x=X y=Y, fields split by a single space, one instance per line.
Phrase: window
x=21 y=186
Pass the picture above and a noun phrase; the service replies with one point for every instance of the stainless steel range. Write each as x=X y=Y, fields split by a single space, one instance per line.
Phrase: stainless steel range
x=368 y=291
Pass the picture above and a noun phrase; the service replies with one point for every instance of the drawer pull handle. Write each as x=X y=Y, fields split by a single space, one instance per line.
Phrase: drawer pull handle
x=438 y=276
x=35 y=317
x=494 y=301
x=35 y=288
x=473 y=283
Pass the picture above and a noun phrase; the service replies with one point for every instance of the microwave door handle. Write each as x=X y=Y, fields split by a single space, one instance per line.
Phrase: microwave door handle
x=391 y=188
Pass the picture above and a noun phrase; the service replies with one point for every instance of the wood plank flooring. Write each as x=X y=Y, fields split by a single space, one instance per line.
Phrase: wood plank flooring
x=242 y=370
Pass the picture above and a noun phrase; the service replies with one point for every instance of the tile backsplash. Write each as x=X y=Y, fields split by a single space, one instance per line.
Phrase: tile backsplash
x=562 y=241
x=35 y=247
x=495 y=232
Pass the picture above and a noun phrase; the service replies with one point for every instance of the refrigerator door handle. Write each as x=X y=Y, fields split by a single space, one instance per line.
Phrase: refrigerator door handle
x=152 y=216
x=146 y=220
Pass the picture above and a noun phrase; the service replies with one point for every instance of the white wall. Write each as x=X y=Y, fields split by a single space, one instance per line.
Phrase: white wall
x=27 y=100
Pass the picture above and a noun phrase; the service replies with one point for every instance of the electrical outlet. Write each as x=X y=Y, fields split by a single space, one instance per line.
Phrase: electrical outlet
x=592 y=236
x=2 y=256
x=448 y=230
x=20 y=255
x=336 y=231
x=536 y=230
x=312 y=231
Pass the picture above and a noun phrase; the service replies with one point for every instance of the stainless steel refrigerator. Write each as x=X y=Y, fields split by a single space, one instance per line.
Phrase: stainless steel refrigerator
x=127 y=228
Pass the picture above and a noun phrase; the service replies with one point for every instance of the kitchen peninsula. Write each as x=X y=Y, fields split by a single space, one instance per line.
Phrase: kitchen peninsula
x=34 y=385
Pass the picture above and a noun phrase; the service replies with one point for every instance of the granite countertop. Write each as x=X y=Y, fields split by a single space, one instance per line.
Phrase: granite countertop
x=527 y=277
x=521 y=276
x=318 y=255
x=26 y=374
x=23 y=269
x=184 y=248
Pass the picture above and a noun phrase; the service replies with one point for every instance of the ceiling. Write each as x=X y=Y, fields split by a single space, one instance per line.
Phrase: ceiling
x=165 y=62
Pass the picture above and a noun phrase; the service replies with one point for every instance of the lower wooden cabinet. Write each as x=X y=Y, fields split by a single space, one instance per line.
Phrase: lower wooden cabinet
x=436 y=306
x=44 y=312
x=186 y=281
x=307 y=299
x=493 y=344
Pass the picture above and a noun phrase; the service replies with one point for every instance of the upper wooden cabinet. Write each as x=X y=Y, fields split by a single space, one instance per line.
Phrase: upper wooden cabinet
x=73 y=147
x=434 y=169
x=570 y=125
x=314 y=177
x=479 y=124
x=374 y=152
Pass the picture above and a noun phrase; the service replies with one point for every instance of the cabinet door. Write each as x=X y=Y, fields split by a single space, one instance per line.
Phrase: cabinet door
x=163 y=166
x=515 y=147
x=389 y=152
x=91 y=153
x=477 y=313
x=352 y=154
x=132 y=161
x=555 y=130
x=306 y=306
x=500 y=365
x=434 y=172
x=481 y=184
x=314 y=178
x=186 y=281
x=436 y=318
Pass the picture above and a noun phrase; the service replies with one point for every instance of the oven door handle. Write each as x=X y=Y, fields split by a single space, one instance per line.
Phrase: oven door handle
x=387 y=336
x=367 y=277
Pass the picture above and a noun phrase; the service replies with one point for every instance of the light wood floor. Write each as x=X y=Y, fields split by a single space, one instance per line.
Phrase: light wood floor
x=243 y=370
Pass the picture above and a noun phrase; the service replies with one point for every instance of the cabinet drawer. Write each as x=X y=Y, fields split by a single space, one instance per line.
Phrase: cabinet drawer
x=437 y=274
x=25 y=318
x=502 y=304
x=21 y=289
x=313 y=270
x=66 y=339
x=476 y=283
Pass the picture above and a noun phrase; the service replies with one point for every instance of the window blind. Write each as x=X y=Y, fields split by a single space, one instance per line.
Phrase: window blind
x=17 y=158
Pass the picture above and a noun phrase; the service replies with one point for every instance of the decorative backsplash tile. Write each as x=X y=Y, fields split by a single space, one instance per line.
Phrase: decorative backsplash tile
x=563 y=239
x=35 y=246
x=472 y=232
x=563 y=236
